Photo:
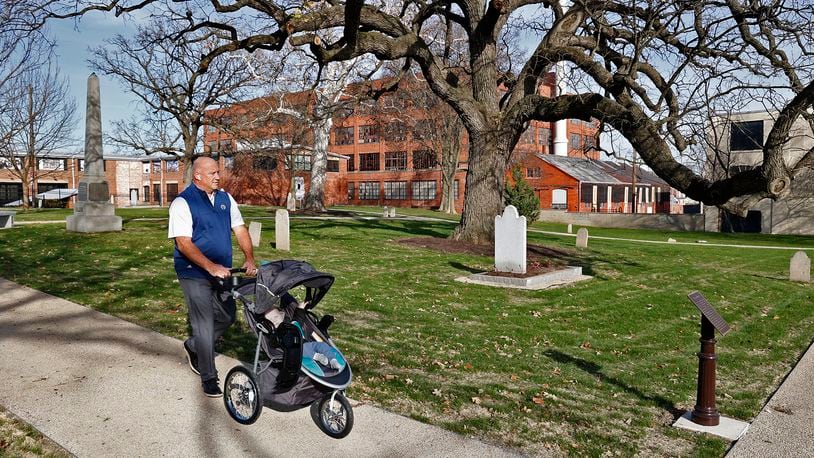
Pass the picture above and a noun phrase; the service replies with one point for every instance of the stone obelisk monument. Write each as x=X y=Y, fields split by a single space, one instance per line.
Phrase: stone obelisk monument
x=93 y=211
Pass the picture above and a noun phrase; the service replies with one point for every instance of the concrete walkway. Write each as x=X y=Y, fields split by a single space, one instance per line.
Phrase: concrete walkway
x=785 y=426
x=101 y=386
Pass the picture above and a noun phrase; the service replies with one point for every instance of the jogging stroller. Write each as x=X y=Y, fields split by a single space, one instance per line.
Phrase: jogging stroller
x=300 y=365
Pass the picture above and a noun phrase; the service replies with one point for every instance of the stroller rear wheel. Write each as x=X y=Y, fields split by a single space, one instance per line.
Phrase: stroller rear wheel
x=241 y=396
x=333 y=414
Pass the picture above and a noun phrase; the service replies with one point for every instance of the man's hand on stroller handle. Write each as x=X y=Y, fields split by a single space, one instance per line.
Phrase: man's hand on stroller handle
x=219 y=271
x=249 y=267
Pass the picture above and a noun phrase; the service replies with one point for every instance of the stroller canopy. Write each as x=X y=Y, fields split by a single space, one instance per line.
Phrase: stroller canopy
x=277 y=278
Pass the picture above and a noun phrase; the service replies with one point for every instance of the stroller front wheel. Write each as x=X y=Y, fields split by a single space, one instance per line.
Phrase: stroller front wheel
x=333 y=414
x=241 y=396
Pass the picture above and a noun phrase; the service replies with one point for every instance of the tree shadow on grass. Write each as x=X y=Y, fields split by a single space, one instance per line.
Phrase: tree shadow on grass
x=596 y=370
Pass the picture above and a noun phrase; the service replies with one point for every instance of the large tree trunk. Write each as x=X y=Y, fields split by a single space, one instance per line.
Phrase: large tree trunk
x=187 y=161
x=485 y=181
x=316 y=192
x=26 y=188
x=450 y=151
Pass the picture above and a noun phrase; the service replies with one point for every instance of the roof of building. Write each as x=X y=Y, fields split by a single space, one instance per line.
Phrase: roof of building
x=584 y=170
x=624 y=173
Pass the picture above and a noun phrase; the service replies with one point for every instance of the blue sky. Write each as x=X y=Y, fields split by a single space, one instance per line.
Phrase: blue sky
x=72 y=43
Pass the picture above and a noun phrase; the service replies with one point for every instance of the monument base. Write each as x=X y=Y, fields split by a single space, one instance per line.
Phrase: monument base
x=94 y=217
x=548 y=280
x=84 y=223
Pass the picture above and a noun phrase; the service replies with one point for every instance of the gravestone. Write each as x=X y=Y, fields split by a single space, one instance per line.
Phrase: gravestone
x=93 y=211
x=290 y=203
x=281 y=235
x=671 y=240
x=800 y=267
x=392 y=212
x=582 y=238
x=254 y=232
x=510 y=241
x=570 y=228
x=385 y=212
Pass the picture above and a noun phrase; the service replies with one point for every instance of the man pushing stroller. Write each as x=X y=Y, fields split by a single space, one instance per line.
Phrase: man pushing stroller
x=202 y=218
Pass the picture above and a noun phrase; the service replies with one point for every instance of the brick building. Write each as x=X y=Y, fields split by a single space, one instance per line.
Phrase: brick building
x=374 y=157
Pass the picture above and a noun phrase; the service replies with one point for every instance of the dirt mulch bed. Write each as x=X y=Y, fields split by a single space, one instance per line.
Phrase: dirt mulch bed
x=325 y=213
x=539 y=259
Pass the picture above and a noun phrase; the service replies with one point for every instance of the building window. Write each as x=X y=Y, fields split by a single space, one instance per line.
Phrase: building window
x=395 y=132
x=351 y=190
x=145 y=167
x=212 y=147
x=157 y=192
x=225 y=146
x=455 y=185
x=424 y=190
x=172 y=166
x=80 y=165
x=589 y=142
x=396 y=160
x=172 y=191
x=146 y=193
x=544 y=137
x=228 y=162
x=52 y=164
x=369 y=190
x=424 y=159
x=746 y=136
x=575 y=141
x=395 y=190
x=351 y=163
x=343 y=135
x=264 y=163
x=533 y=172
x=369 y=134
x=302 y=162
x=333 y=165
x=369 y=161
x=8 y=164
x=422 y=129
x=527 y=136
x=157 y=167
x=9 y=192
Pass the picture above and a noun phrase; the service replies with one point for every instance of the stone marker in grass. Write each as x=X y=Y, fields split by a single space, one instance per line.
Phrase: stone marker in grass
x=582 y=238
x=510 y=241
x=254 y=232
x=281 y=234
x=800 y=267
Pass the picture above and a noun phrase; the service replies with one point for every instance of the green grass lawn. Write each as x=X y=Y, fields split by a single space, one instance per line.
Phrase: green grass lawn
x=600 y=366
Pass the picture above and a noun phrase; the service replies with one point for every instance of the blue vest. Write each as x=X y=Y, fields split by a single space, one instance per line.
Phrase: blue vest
x=211 y=231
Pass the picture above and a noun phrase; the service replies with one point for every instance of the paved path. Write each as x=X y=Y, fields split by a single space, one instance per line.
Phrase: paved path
x=101 y=386
x=785 y=426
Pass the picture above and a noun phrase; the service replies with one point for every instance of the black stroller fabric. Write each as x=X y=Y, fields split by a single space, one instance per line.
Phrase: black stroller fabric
x=276 y=278
x=284 y=399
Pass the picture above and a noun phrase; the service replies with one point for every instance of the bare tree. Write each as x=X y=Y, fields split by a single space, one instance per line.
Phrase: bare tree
x=649 y=69
x=434 y=128
x=162 y=70
x=37 y=120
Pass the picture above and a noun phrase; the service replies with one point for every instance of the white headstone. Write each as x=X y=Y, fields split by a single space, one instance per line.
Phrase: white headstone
x=254 y=232
x=283 y=242
x=570 y=228
x=290 y=203
x=671 y=240
x=582 y=238
x=392 y=212
x=800 y=267
x=510 y=241
x=385 y=212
